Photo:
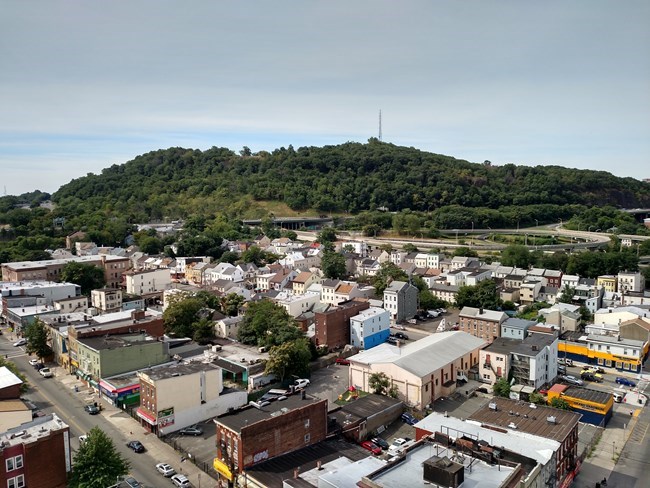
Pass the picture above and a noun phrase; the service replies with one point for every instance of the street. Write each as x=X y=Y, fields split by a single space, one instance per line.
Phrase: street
x=51 y=397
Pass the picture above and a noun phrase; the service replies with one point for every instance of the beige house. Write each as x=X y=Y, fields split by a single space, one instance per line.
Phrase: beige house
x=107 y=300
x=494 y=360
x=482 y=323
x=303 y=281
x=421 y=371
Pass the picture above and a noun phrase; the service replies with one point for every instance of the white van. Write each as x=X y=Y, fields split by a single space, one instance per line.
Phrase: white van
x=618 y=397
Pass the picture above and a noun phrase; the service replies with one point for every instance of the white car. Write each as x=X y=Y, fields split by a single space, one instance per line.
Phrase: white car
x=82 y=438
x=46 y=372
x=33 y=362
x=181 y=481
x=165 y=469
x=301 y=383
x=20 y=342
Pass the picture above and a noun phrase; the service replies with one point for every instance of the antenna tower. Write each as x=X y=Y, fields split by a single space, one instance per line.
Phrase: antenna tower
x=379 y=125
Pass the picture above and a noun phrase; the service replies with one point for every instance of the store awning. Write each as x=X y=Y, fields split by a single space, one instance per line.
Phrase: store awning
x=222 y=468
x=147 y=417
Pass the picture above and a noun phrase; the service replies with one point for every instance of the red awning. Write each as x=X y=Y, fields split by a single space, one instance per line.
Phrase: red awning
x=147 y=417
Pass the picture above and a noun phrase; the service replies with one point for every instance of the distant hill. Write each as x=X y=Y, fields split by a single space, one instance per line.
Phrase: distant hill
x=350 y=177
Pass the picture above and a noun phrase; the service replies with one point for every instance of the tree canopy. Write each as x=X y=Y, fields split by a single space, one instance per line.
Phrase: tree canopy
x=37 y=336
x=97 y=464
x=88 y=276
x=289 y=359
x=483 y=295
x=267 y=324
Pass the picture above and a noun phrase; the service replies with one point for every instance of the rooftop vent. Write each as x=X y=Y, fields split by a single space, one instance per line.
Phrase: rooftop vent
x=551 y=419
x=512 y=425
x=493 y=406
x=532 y=405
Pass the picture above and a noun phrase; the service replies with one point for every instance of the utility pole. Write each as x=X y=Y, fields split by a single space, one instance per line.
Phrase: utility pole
x=379 y=125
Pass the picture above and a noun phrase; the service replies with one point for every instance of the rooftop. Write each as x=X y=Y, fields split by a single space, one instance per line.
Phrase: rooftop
x=614 y=340
x=115 y=341
x=425 y=355
x=586 y=394
x=526 y=419
x=250 y=415
x=482 y=314
x=32 y=431
x=370 y=405
x=7 y=378
x=533 y=344
x=174 y=370
x=502 y=345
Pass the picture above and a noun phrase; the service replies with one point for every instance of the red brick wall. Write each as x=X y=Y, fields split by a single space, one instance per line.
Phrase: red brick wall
x=10 y=392
x=284 y=433
x=333 y=328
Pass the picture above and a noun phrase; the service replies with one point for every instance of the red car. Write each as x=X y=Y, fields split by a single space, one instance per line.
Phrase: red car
x=342 y=361
x=372 y=447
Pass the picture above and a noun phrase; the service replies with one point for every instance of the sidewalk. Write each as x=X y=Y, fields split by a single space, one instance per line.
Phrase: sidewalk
x=605 y=453
x=160 y=451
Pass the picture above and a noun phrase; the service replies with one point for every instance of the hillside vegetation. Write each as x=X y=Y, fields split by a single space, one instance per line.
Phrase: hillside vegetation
x=351 y=177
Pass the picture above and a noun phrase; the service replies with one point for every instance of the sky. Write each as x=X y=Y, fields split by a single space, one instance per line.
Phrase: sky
x=85 y=85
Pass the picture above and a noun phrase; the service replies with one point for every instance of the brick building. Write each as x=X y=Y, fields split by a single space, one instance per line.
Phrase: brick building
x=333 y=326
x=266 y=430
x=36 y=454
x=481 y=323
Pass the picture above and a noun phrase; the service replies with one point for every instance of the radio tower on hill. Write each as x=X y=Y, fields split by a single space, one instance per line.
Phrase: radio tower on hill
x=379 y=125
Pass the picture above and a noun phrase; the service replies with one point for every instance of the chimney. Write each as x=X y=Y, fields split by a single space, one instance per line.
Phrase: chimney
x=295 y=473
x=398 y=343
x=480 y=311
x=318 y=465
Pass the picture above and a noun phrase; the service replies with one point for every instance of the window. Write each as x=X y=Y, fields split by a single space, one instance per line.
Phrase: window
x=307 y=424
x=307 y=437
x=14 y=462
x=17 y=482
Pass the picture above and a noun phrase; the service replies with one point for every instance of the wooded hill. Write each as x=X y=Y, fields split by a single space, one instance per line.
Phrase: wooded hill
x=350 y=177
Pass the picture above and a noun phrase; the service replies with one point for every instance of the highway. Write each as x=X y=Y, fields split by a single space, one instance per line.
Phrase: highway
x=50 y=396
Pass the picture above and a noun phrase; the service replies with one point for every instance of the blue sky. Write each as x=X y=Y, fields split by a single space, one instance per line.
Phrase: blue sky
x=84 y=85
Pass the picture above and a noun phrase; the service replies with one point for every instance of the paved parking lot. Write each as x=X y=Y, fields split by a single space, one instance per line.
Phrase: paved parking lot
x=328 y=383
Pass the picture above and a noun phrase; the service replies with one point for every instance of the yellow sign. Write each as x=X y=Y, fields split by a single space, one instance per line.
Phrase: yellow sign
x=221 y=468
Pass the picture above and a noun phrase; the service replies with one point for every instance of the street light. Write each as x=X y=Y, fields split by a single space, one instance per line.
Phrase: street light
x=536 y=223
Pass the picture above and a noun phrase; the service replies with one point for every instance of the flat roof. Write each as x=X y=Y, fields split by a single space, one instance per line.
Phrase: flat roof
x=370 y=405
x=533 y=344
x=540 y=449
x=250 y=415
x=7 y=378
x=410 y=471
x=587 y=394
x=37 y=428
x=174 y=370
x=114 y=342
x=502 y=345
x=527 y=419
x=274 y=471
x=13 y=405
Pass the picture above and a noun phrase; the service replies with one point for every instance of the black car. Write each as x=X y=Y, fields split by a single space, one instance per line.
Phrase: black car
x=401 y=335
x=136 y=446
x=380 y=442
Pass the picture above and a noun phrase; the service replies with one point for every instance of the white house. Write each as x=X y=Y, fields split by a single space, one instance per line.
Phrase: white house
x=147 y=281
x=369 y=328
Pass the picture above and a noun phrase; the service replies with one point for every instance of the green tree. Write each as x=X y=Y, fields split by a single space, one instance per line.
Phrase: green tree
x=379 y=383
x=387 y=272
x=203 y=331
x=483 y=295
x=97 y=464
x=502 y=388
x=327 y=235
x=37 y=336
x=516 y=255
x=409 y=247
x=231 y=304
x=567 y=294
x=289 y=359
x=88 y=276
x=465 y=251
x=560 y=403
x=267 y=324
x=333 y=265
x=181 y=314
x=537 y=398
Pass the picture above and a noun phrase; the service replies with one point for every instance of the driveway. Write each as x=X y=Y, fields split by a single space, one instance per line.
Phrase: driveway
x=328 y=383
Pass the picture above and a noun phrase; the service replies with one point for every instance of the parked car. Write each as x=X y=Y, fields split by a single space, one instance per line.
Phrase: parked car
x=372 y=447
x=181 y=481
x=398 y=446
x=92 y=409
x=39 y=366
x=408 y=418
x=618 y=397
x=46 y=372
x=34 y=362
x=400 y=441
x=380 y=442
x=588 y=376
x=20 y=342
x=342 y=361
x=593 y=369
x=131 y=482
x=191 y=430
x=165 y=469
x=572 y=380
x=136 y=446
x=391 y=340
x=82 y=438
x=561 y=369
x=402 y=336
x=624 y=381
x=301 y=383
x=565 y=361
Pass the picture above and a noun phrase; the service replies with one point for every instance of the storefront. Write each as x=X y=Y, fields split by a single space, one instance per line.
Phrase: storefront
x=120 y=397
x=147 y=420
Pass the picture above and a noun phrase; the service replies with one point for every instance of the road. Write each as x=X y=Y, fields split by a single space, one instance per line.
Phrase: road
x=50 y=397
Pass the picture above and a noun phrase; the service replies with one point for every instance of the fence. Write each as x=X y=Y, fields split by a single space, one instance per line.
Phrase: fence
x=203 y=464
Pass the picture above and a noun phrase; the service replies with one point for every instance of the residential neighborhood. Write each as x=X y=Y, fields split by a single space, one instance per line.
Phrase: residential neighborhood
x=557 y=352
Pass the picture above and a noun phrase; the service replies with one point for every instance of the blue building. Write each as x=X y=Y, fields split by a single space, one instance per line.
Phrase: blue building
x=370 y=328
